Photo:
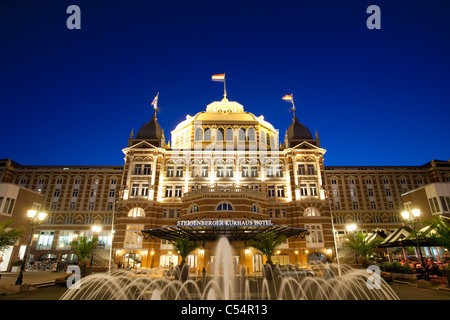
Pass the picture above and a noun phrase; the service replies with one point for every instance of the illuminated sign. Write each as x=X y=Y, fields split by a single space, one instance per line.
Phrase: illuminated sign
x=223 y=223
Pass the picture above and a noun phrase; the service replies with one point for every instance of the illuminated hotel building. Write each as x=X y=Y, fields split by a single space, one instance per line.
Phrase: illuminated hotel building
x=222 y=164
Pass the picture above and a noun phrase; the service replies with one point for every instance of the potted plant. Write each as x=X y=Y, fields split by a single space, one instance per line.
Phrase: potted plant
x=267 y=243
x=184 y=246
x=84 y=248
x=16 y=265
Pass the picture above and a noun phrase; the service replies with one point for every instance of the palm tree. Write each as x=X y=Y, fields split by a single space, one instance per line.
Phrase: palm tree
x=441 y=234
x=360 y=245
x=184 y=246
x=266 y=243
x=9 y=236
x=84 y=248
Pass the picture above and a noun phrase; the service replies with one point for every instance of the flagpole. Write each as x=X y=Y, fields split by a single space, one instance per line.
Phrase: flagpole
x=224 y=86
x=293 y=105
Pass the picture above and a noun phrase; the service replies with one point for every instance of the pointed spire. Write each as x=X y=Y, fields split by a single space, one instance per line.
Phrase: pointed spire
x=317 y=135
x=131 y=134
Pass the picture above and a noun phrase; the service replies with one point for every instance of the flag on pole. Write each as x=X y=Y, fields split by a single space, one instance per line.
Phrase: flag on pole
x=218 y=77
x=155 y=102
x=288 y=97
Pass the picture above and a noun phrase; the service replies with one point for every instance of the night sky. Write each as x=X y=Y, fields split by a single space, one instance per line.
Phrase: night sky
x=376 y=97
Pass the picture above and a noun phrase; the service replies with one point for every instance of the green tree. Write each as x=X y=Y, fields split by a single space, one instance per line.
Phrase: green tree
x=360 y=245
x=266 y=243
x=9 y=236
x=184 y=246
x=84 y=248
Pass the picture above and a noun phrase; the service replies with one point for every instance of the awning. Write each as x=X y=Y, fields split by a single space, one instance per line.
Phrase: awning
x=212 y=233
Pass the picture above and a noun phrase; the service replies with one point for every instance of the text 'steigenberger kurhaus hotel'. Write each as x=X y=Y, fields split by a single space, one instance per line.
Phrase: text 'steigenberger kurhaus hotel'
x=225 y=172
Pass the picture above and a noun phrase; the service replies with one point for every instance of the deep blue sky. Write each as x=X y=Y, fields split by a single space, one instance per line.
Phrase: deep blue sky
x=376 y=97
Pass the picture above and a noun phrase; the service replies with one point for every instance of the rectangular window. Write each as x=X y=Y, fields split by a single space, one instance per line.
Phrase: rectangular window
x=179 y=172
x=75 y=193
x=433 y=209
x=54 y=205
x=301 y=171
x=280 y=191
x=72 y=206
x=137 y=169
x=229 y=171
x=436 y=204
x=333 y=181
x=144 y=190
x=204 y=171
x=368 y=181
x=178 y=191
x=351 y=181
x=135 y=190
x=91 y=206
x=11 y=205
x=313 y=189
x=254 y=172
x=57 y=192
x=303 y=190
x=147 y=169
x=169 y=191
x=133 y=236
x=271 y=191
x=220 y=171
x=195 y=172
x=315 y=236
x=245 y=172
x=269 y=171
x=337 y=205
x=391 y=206
x=310 y=168
x=352 y=192
x=388 y=193
x=370 y=192
x=112 y=192
x=170 y=170
x=110 y=206
x=373 y=205
x=279 y=172
x=355 y=206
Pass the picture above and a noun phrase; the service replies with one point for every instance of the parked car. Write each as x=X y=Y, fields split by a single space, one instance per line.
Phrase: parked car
x=289 y=270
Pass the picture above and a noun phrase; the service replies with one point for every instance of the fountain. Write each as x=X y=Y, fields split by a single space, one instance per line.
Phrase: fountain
x=223 y=284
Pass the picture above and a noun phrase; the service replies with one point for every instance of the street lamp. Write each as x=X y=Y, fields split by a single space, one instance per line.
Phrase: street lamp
x=97 y=230
x=34 y=218
x=411 y=217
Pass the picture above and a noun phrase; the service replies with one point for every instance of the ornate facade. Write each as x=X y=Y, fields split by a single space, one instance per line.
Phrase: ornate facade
x=226 y=164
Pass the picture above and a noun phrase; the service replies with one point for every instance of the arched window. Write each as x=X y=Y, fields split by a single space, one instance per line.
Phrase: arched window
x=339 y=220
x=394 y=219
x=241 y=135
x=311 y=212
x=267 y=138
x=263 y=136
x=107 y=220
x=194 y=209
x=224 y=206
x=272 y=141
x=207 y=135
x=69 y=220
x=229 y=134
x=88 y=220
x=251 y=134
x=255 y=209
x=219 y=134
x=198 y=136
x=376 y=219
x=136 y=212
